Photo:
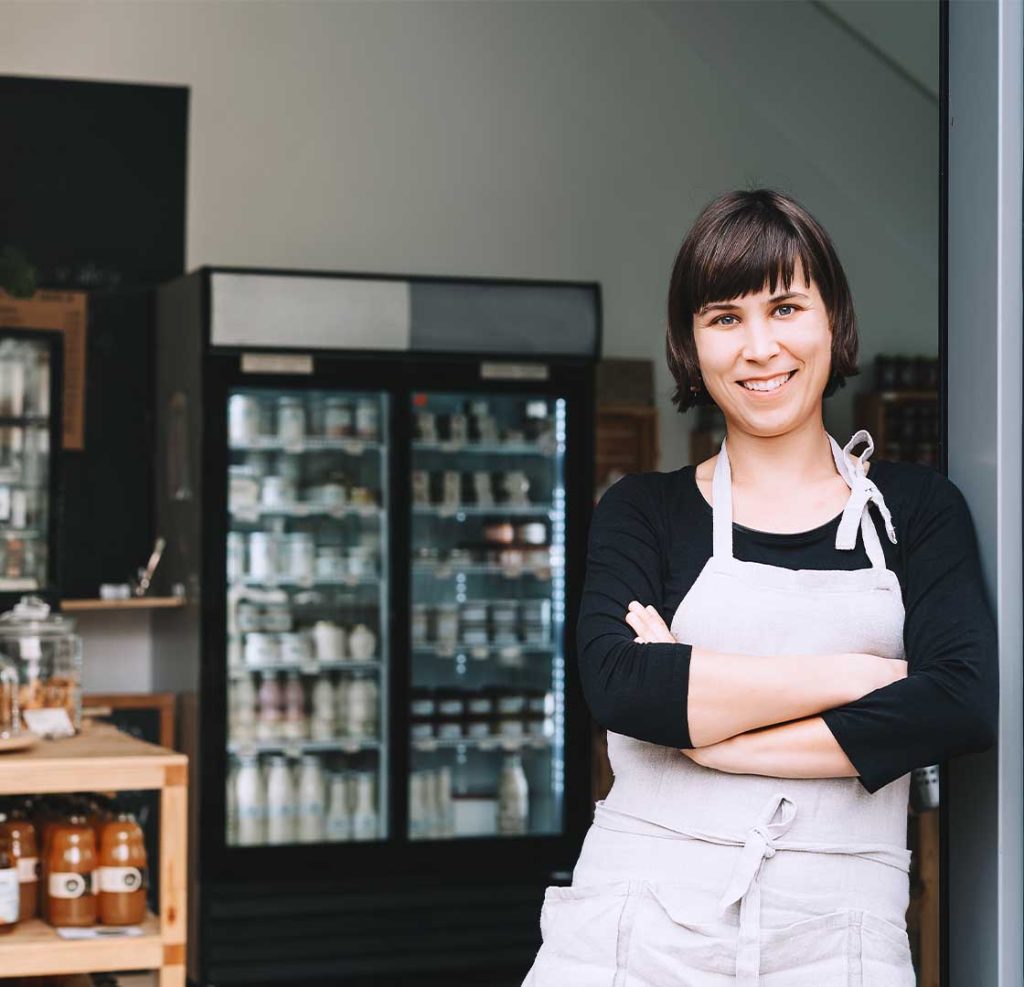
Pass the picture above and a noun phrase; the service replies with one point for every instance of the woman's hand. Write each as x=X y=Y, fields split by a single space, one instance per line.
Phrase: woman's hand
x=647 y=623
x=869 y=672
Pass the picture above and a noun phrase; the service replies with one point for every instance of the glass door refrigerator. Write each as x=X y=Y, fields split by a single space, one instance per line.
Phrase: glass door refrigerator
x=30 y=442
x=375 y=492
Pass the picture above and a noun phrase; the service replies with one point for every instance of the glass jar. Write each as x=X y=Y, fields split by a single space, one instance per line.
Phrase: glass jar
x=10 y=716
x=48 y=657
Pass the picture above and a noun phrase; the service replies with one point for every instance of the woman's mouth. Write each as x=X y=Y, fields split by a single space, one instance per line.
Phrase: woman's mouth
x=771 y=386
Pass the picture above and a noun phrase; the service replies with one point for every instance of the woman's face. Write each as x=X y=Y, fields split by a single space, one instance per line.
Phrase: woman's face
x=760 y=339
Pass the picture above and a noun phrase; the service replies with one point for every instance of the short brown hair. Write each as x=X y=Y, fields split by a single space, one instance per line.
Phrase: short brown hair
x=741 y=241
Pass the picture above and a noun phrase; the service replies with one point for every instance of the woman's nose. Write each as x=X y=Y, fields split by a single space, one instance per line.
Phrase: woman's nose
x=760 y=342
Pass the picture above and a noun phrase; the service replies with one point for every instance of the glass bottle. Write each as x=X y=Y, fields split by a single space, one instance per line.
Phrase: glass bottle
x=122 y=872
x=71 y=883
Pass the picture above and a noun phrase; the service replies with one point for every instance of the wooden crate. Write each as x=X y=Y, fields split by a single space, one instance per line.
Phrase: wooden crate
x=102 y=759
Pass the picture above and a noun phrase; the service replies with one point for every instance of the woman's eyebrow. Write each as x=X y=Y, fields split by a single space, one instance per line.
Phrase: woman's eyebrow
x=774 y=298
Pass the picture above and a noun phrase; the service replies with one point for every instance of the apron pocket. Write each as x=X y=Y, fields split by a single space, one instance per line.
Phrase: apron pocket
x=813 y=952
x=885 y=953
x=585 y=932
x=678 y=943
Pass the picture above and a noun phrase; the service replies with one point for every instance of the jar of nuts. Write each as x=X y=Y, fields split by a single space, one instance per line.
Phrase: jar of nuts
x=48 y=656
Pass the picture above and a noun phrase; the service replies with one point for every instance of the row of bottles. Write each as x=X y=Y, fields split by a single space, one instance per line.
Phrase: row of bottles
x=284 y=802
x=329 y=709
x=293 y=418
x=72 y=860
x=435 y=812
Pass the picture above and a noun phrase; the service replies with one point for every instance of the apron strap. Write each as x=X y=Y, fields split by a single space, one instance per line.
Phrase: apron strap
x=721 y=509
x=862 y=492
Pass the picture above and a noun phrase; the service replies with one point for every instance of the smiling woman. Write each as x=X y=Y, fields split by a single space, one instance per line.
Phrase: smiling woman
x=773 y=641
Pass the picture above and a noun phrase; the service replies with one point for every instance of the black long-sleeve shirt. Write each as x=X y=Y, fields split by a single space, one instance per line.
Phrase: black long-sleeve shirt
x=649 y=538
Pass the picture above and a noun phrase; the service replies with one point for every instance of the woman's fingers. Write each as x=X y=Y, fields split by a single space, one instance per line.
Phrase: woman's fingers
x=647 y=623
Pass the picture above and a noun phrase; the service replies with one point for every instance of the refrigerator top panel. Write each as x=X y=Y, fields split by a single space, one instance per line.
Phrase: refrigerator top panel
x=309 y=312
x=416 y=315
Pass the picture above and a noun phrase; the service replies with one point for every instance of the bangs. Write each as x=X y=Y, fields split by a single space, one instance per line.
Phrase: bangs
x=754 y=253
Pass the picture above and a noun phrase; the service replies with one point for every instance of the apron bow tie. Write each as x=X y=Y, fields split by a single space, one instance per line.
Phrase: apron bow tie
x=862 y=490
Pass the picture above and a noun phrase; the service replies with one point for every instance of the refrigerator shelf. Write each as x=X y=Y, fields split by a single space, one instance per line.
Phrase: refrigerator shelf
x=271 y=443
x=295 y=748
x=489 y=448
x=515 y=650
x=11 y=532
x=254 y=512
x=300 y=584
x=16 y=585
x=458 y=511
x=446 y=570
x=483 y=744
x=308 y=667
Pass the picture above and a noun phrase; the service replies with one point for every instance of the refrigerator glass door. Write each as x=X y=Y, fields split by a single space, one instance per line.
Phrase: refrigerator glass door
x=487 y=700
x=24 y=464
x=307 y=646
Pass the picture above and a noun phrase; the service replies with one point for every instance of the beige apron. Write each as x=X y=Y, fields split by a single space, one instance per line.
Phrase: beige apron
x=693 y=877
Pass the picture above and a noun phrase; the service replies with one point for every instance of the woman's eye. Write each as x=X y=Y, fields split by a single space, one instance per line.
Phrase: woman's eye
x=718 y=321
x=786 y=306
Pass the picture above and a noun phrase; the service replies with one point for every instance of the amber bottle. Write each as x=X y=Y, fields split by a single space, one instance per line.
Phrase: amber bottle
x=8 y=887
x=21 y=836
x=122 y=872
x=71 y=866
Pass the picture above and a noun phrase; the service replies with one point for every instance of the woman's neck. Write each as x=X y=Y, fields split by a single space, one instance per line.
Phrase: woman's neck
x=801 y=456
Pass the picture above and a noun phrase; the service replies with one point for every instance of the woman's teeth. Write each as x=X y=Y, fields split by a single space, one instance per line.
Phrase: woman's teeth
x=767 y=385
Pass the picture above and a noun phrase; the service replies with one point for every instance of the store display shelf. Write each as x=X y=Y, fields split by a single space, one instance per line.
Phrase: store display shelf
x=251 y=513
x=488 y=448
x=14 y=585
x=294 y=748
x=508 y=744
x=103 y=759
x=34 y=948
x=483 y=650
x=31 y=419
x=309 y=667
x=300 y=584
x=447 y=570
x=132 y=603
x=271 y=443
x=13 y=531
x=504 y=510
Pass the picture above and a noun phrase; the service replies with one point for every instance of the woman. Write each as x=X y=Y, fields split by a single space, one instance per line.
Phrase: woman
x=773 y=640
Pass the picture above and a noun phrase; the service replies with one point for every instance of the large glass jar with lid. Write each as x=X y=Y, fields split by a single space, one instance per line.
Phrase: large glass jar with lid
x=47 y=653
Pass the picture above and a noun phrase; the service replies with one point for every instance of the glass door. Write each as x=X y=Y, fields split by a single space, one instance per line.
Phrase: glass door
x=306 y=605
x=25 y=425
x=487 y=700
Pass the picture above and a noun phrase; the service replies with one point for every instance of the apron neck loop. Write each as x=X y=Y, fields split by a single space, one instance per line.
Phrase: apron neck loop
x=855 y=514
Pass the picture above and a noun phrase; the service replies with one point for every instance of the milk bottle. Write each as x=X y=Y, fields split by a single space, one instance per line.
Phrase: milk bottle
x=280 y=802
x=312 y=810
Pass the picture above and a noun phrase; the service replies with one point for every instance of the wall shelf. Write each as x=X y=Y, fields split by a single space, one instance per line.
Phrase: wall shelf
x=133 y=603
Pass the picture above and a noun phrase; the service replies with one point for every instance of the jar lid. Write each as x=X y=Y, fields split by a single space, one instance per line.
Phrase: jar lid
x=31 y=616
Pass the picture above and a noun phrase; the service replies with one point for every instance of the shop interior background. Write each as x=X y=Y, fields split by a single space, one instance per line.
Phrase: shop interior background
x=551 y=140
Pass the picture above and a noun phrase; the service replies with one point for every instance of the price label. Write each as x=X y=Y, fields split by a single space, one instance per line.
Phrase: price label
x=337 y=510
x=480 y=652
x=443 y=571
x=451 y=445
x=447 y=510
x=294 y=447
x=293 y=751
x=247 y=512
x=353 y=447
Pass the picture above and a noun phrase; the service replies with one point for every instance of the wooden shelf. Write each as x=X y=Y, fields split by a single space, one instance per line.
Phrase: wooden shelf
x=34 y=948
x=134 y=603
x=101 y=758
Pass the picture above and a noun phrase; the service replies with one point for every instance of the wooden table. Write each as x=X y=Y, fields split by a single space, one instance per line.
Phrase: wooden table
x=102 y=759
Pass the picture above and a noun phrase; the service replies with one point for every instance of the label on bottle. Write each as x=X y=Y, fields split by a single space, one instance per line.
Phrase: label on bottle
x=121 y=880
x=28 y=869
x=64 y=884
x=9 y=896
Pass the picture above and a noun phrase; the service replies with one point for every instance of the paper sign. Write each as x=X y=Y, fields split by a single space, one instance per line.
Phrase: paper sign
x=51 y=722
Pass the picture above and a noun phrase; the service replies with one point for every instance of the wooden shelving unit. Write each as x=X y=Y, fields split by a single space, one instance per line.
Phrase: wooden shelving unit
x=103 y=759
x=133 y=603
